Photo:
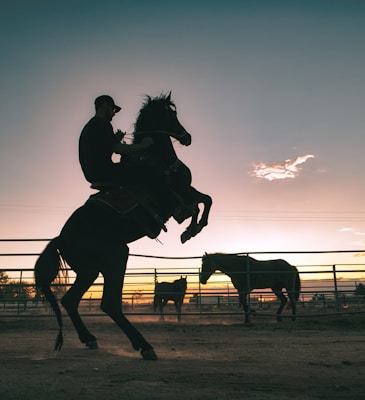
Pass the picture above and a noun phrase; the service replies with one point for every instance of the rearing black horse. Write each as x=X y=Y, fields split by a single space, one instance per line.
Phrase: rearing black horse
x=164 y=162
x=94 y=239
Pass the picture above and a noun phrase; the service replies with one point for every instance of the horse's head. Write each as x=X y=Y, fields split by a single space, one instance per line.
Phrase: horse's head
x=183 y=283
x=208 y=267
x=158 y=116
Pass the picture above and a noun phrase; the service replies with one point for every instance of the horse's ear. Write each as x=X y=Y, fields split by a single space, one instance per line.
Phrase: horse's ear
x=205 y=253
x=169 y=96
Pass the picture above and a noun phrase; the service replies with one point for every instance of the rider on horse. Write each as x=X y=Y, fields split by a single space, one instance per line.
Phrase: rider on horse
x=98 y=143
x=120 y=183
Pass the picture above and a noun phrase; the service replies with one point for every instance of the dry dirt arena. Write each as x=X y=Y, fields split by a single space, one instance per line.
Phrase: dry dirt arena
x=219 y=358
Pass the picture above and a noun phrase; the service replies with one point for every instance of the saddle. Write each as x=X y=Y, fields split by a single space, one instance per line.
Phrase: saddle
x=133 y=202
x=136 y=202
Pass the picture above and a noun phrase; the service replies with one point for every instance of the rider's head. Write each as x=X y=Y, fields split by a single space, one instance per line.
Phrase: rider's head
x=105 y=107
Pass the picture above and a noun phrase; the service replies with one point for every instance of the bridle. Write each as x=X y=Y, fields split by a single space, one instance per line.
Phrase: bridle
x=170 y=113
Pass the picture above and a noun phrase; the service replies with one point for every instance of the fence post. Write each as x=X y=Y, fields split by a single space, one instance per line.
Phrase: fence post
x=199 y=299
x=228 y=295
x=336 y=289
x=248 y=273
x=20 y=290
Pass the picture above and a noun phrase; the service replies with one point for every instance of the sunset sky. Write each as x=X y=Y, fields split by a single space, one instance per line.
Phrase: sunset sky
x=272 y=92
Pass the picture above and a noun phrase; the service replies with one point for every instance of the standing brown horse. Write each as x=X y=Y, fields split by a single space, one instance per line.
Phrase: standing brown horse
x=248 y=274
x=166 y=291
x=94 y=239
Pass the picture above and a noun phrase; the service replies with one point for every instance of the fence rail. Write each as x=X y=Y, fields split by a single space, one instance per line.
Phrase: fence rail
x=332 y=282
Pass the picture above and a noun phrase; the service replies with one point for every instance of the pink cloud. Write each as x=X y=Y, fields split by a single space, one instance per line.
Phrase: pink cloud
x=288 y=169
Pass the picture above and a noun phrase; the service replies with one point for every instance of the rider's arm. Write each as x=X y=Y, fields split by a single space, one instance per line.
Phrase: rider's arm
x=123 y=149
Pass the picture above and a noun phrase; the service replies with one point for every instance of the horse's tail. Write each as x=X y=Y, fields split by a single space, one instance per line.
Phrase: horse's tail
x=156 y=297
x=45 y=271
x=297 y=287
x=155 y=303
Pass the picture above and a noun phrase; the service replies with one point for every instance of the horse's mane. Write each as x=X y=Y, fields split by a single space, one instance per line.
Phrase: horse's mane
x=149 y=107
x=162 y=99
x=217 y=254
x=225 y=256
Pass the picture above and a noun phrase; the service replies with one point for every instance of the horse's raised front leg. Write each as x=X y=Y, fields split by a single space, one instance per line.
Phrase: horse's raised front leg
x=196 y=226
x=193 y=228
x=207 y=201
x=112 y=305
x=71 y=301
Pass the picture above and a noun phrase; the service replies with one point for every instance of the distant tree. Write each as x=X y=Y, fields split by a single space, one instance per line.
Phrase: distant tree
x=60 y=285
x=318 y=297
x=16 y=290
x=137 y=296
x=4 y=278
x=360 y=290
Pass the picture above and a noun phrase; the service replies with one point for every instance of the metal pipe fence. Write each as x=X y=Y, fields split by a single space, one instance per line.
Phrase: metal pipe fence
x=334 y=287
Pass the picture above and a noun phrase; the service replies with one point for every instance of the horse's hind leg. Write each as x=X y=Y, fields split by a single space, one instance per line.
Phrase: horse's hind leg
x=71 y=302
x=157 y=304
x=178 y=310
x=246 y=311
x=111 y=305
x=162 y=305
x=293 y=304
x=283 y=300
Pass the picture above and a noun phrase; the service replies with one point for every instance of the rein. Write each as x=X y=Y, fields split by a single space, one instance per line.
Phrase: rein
x=176 y=164
x=145 y=132
x=163 y=132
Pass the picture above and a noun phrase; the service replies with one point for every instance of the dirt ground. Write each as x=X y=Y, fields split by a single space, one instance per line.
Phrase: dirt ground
x=219 y=358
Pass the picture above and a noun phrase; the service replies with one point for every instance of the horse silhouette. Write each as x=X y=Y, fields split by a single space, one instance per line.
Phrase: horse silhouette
x=162 y=160
x=166 y=291
x=247 y=274
x=94 y=239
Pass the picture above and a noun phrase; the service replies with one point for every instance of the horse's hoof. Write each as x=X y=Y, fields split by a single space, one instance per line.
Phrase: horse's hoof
x=185 y=237
x=149 y=355
x=92 y=345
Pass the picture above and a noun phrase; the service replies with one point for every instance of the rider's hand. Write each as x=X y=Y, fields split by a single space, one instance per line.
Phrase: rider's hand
x=119 y=135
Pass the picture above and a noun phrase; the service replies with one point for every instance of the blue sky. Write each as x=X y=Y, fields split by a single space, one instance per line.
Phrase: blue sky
x=271 y=91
